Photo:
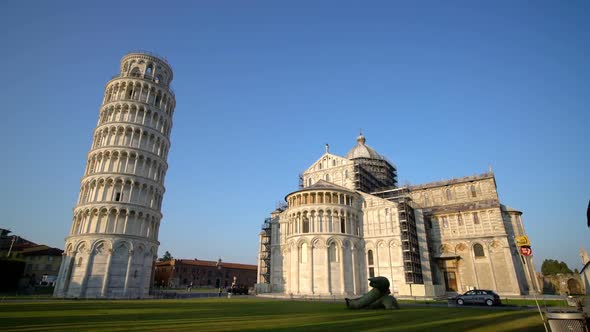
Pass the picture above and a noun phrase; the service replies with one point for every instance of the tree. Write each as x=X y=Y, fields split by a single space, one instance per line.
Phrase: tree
x=552 y=266
x=167 y=257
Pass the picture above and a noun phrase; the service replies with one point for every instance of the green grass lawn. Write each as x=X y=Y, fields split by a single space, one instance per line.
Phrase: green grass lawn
x=528 y=302
x=250 y=314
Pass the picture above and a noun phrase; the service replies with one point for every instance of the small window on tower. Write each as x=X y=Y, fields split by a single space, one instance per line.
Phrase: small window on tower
x=478 y=250
x=117 y=197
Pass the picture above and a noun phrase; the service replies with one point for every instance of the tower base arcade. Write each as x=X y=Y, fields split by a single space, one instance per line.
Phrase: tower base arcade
x=106 y=267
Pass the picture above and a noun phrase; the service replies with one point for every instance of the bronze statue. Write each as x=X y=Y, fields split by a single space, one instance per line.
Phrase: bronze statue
x=376 y=298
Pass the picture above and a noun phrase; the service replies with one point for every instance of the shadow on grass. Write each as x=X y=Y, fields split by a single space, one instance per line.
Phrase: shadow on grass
x=252 y=315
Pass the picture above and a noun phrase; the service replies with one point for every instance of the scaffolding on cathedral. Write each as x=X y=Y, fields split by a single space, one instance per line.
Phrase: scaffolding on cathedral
x=265 y=252
x=408 y=231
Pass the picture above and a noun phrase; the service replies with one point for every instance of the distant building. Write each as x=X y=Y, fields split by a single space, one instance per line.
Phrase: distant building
x=13 y=244
x=350 y=221
x=42 y=261
x=563 y=284
x=182 y=272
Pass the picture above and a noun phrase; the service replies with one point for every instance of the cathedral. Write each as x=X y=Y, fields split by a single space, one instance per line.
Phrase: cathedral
x=350 y=220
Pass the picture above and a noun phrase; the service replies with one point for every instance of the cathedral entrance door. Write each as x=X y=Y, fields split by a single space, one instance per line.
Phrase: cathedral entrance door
x=450 y=281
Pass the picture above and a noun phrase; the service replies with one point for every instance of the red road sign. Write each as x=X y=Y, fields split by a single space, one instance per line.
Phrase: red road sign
x=526 y=251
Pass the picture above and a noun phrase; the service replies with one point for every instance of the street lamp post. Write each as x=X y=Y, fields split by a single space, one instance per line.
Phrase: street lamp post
x=219 y=264
x=11 y=244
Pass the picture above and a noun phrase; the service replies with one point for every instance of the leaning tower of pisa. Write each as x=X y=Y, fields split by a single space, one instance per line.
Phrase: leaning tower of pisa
x=113 y=241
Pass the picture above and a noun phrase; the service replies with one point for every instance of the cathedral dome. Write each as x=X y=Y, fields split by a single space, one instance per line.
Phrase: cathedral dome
x=361 y=150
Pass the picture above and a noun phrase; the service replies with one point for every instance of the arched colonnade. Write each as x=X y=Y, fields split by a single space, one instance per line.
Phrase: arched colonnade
x=131 y=136
x=121 y=189
x=124 y=264
x=124 y=161
x=116 y=220
x=324 y=266
x=135 y=114
x=139 y=91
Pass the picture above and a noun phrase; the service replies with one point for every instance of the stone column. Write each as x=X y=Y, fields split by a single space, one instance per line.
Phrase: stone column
x=128 y=273
x=68 y=273
x=376 y=260
x=91 y=217
x=61 y=275
x=84 y=282
x=105 y=280
x=491 y=260
x=289 y=274
x=353 y=253
x=310 y=263
x=328 y=276
x=142 y=273
x=389 y=249
x=342 y=283
x=473 y=264
x=96 y=188
x=530 y=271
x=117 y=213
x=297 y=263
x=511 y=268
x=363 y=271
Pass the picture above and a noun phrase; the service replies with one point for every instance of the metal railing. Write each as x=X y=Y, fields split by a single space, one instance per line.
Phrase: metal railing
x=155 y=55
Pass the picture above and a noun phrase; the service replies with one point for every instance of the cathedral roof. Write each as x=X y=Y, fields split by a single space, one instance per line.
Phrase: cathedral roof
x=509 y=209
x=361 y=150
x=322 y=184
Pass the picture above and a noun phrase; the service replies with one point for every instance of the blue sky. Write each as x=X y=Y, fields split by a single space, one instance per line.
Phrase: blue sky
x=443 y=89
